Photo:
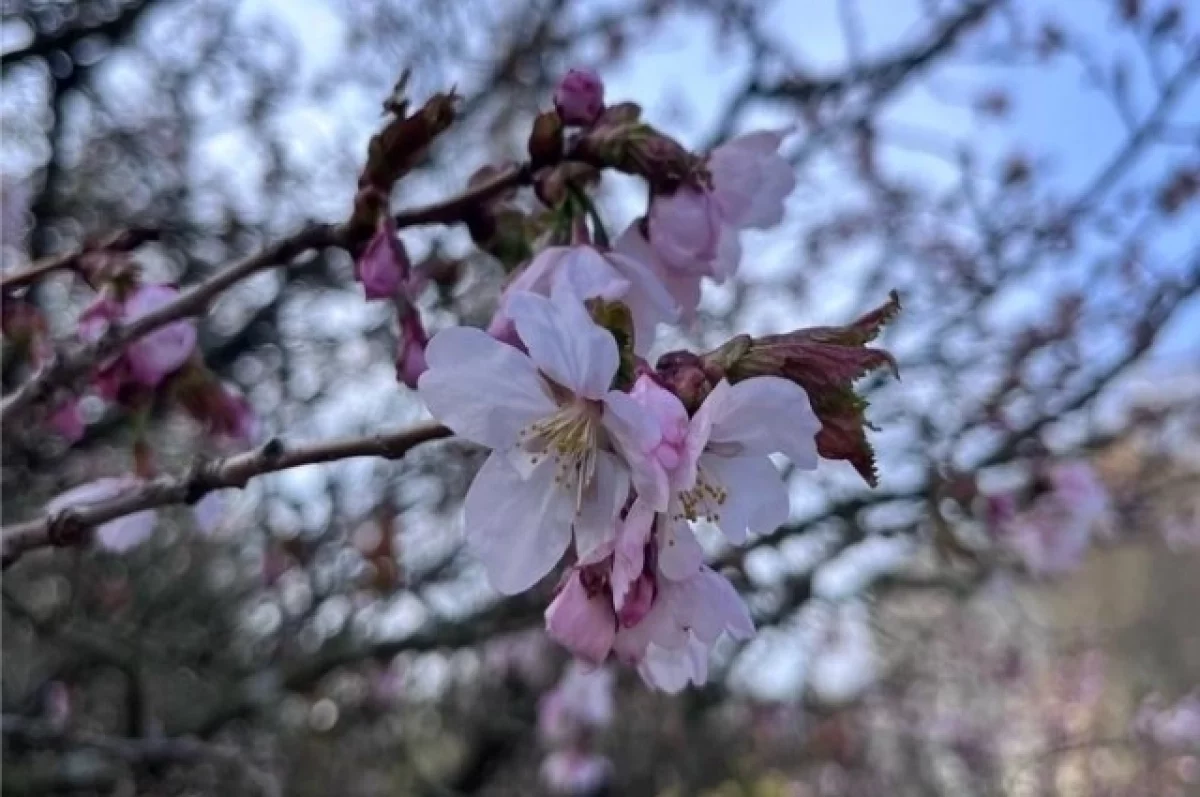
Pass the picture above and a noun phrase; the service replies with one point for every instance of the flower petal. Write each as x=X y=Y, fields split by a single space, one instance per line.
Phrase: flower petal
x=764 y=415
x=596 y=522
x=756 y=498
x=565 y=343
x=583 y=624
x=486 y=391
x=679 y=553
x=635 y=435
x=519 y=528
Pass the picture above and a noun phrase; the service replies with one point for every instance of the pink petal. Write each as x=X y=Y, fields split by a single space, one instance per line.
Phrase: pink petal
x=583 y=624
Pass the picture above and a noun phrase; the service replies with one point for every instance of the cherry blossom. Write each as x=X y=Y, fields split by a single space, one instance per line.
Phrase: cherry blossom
x=1053 y=534
x=575 y=773
x=694 y=230
x=586 y=272
x=552 y=420
x=725 y=475
x=582 y=700
x=149 y=359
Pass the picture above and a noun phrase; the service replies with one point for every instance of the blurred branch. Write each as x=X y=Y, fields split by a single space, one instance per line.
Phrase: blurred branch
x=69 y=527
x=136 y=752
x=121 y=241
x=64 y=370
x=452 y=210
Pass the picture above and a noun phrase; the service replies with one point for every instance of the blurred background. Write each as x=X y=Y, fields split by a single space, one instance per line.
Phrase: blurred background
x=1025 y=173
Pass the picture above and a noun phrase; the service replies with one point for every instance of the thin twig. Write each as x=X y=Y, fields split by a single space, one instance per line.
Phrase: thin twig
x=70 y=526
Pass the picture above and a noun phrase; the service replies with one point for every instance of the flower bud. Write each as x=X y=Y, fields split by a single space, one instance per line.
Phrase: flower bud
x=825 y=361
x=579 y=97
x=410 y=358
x=688 y=376
x=383 y=265
x=546 y=140
x=638 y=149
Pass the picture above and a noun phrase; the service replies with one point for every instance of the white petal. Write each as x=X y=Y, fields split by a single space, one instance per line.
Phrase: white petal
x=635 y=434
x=565 y=343
x=671 y=670
x=767 y=414
x=586 y=274
x=519 y=528
x=756 y=498
x=596 y=523
x=485 y=390
x=716 y=607
x=679 y=553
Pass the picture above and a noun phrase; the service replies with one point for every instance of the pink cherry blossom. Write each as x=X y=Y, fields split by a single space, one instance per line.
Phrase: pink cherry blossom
x=579 y=97
x=582 y=700
x=555 y=428
x=586 y=272
x=1052 y=536
x=725 y=475
x=683 y=286
x=155 y=356
x=149 y=359
x=694 y=231
x=117 y=535
x=751 y=180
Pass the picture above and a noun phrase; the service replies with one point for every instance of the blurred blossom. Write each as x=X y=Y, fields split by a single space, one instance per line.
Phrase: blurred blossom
x=581 y=701
x=1052 y=536
x=576 y=774
x=1175 y=727
x=523 y=654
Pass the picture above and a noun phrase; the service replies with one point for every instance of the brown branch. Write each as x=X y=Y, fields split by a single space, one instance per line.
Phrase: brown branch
x=454 y=209
x=122 y=241
x=65 y=370
x=70 y=526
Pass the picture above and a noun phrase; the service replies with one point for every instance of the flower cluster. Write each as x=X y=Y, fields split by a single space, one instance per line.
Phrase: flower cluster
x=599 y=458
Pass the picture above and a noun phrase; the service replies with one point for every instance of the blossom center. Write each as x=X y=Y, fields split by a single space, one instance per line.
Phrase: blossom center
x=704 y=500
x=571 y=437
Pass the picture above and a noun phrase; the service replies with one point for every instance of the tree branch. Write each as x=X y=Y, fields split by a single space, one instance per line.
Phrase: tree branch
x=122 y=241
x=70 y=526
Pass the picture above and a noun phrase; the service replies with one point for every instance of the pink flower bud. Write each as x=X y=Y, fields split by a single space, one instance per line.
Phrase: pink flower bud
x=582 y=623
x=410 y=360
x=579 y=97
x=383 y=266
x=153 y=357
